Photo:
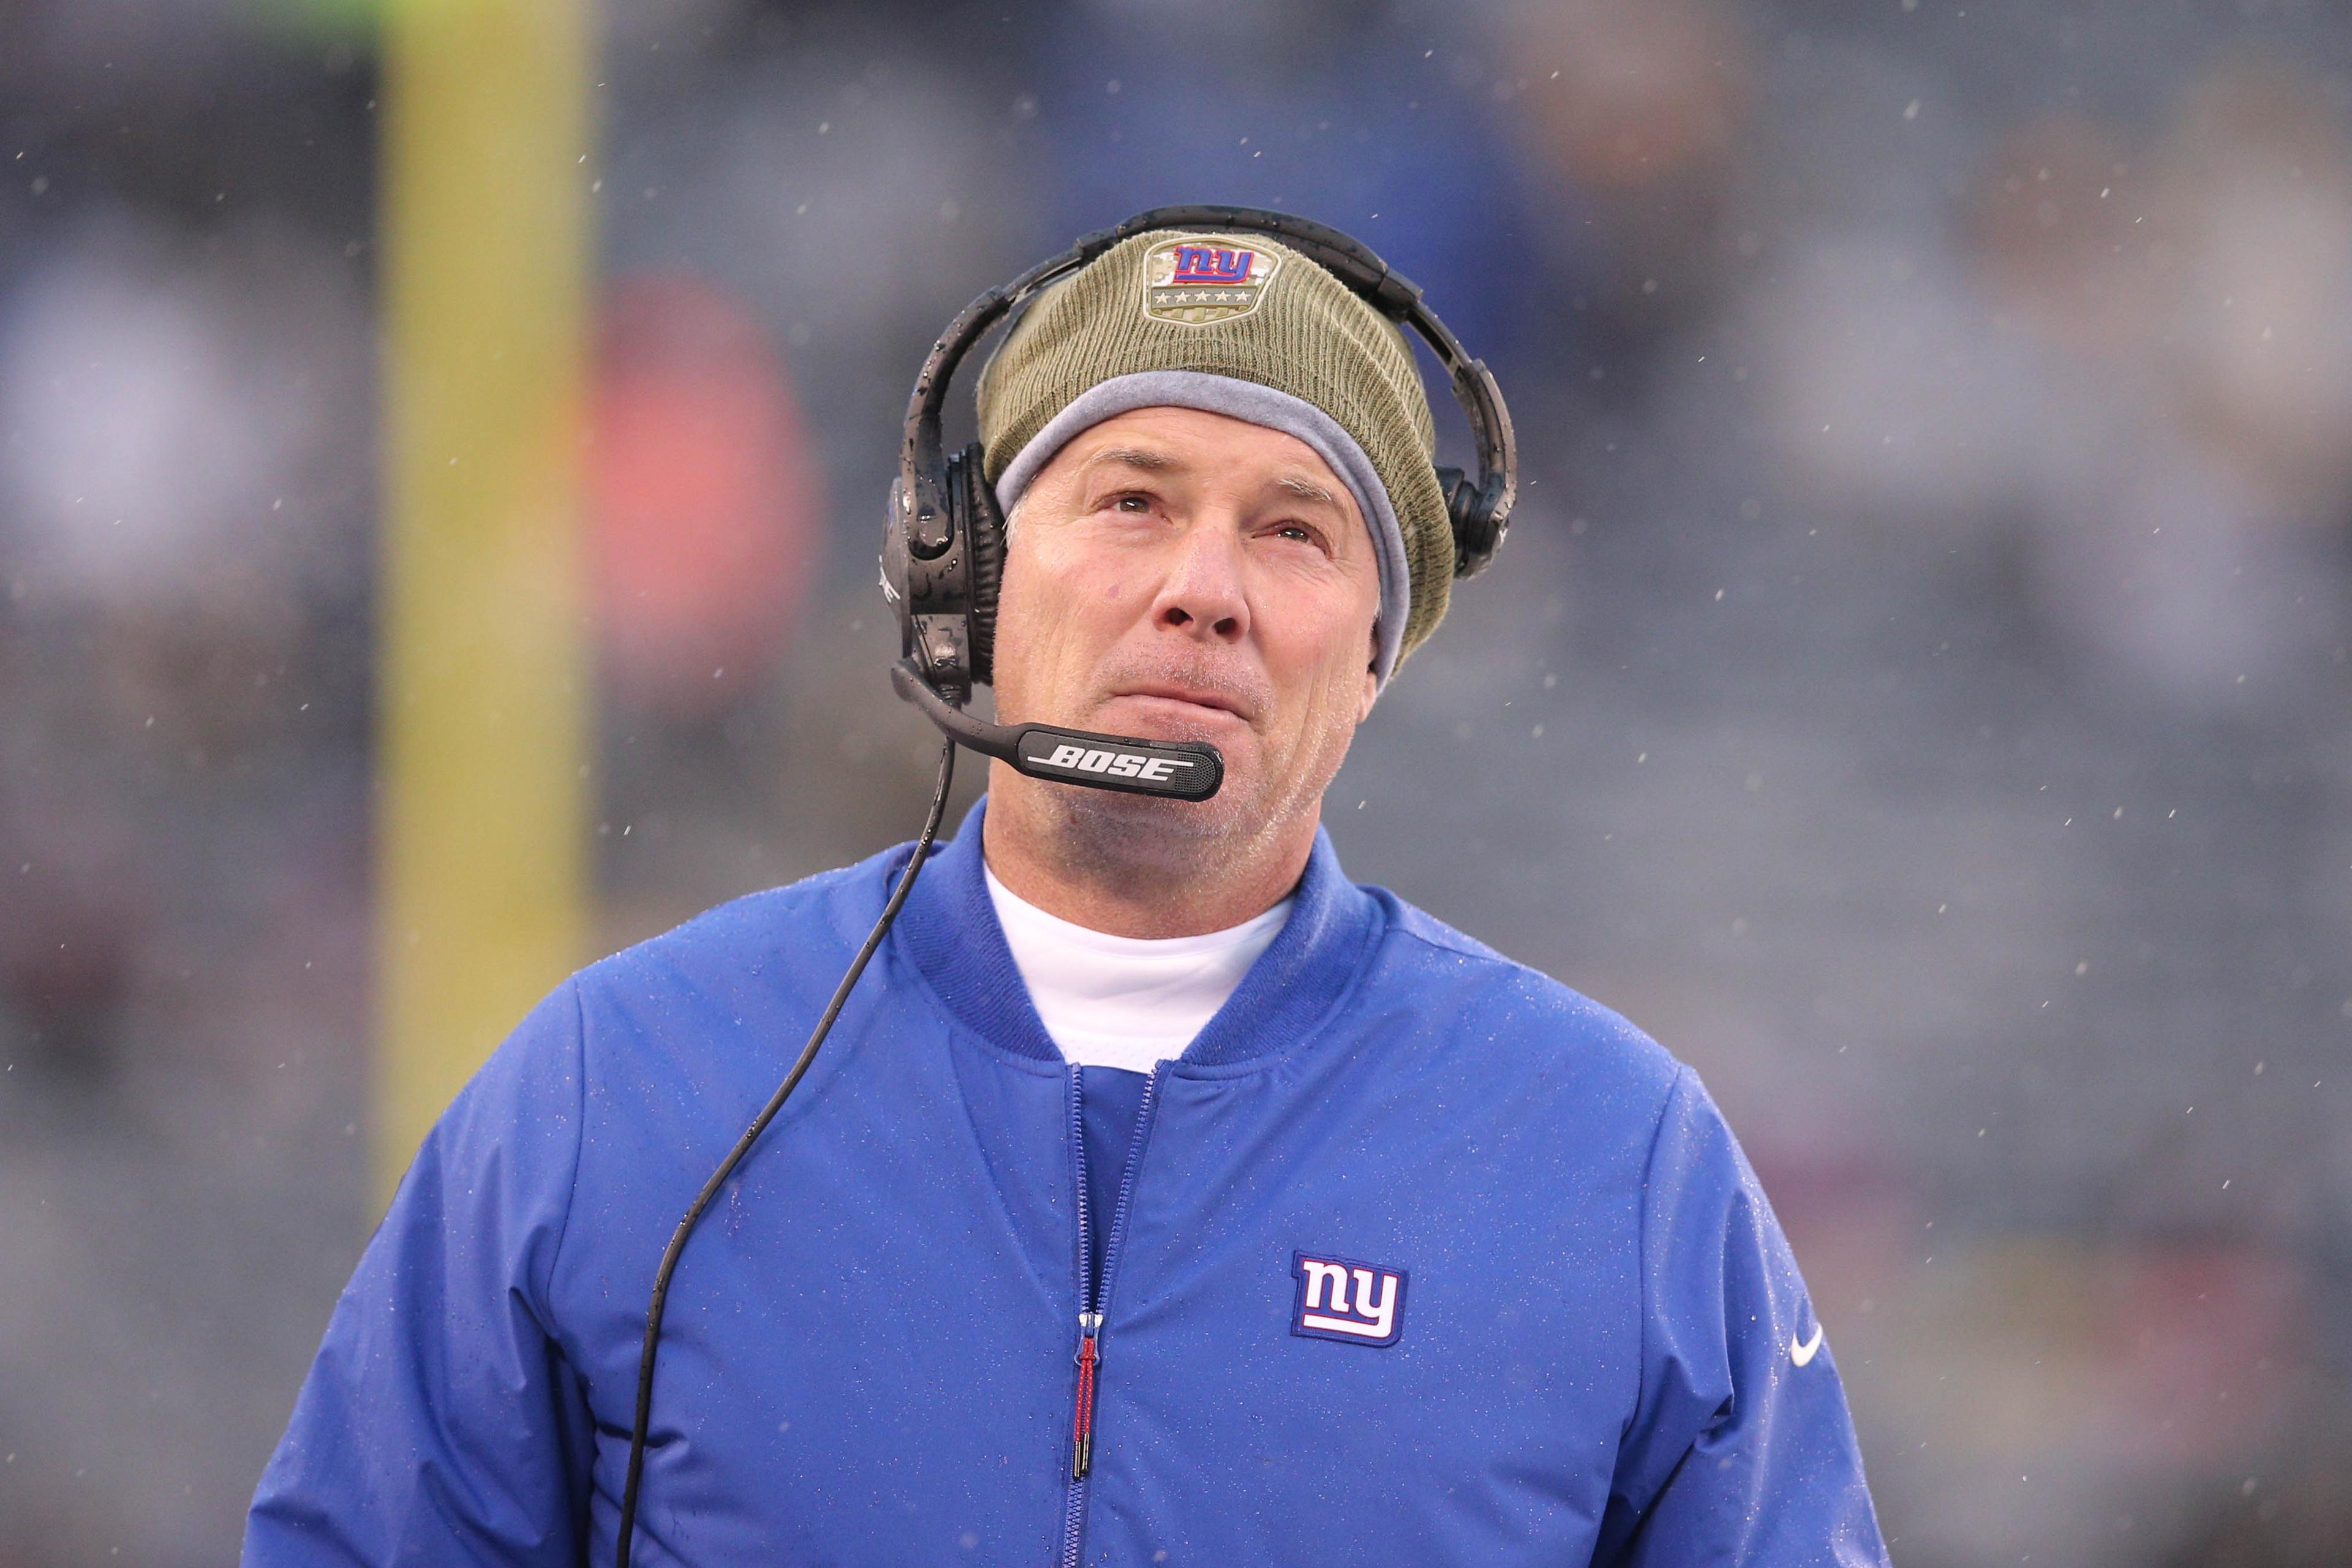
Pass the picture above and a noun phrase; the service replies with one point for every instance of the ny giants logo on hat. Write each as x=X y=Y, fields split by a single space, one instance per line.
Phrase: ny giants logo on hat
x=1194 y=281
x=1207 y=264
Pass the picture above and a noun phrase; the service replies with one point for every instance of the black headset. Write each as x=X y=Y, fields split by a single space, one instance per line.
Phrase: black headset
x=943 y=545
x=942 y=559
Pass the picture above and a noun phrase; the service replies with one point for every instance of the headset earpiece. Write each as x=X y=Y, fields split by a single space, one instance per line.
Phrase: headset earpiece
x=982 y=523
x=1478 y=531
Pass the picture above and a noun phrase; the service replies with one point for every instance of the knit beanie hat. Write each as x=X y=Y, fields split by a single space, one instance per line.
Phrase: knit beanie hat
x=1239 y=325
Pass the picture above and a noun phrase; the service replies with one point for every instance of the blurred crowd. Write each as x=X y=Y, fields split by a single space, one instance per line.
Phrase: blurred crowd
x=1915 y=688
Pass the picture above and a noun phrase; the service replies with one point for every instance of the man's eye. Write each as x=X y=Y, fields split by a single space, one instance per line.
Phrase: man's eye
x=1131 y=502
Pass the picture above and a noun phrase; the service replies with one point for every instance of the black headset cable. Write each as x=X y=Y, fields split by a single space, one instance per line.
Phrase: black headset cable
x=743 y=1146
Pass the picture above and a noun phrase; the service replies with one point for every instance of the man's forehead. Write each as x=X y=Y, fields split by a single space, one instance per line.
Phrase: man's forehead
x=1150 y=458
x=1147 y=456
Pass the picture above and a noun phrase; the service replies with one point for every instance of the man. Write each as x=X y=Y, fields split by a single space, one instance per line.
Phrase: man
x=1161 y=1195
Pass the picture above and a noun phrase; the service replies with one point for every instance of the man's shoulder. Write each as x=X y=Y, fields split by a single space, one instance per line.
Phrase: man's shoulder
x=811 y=924
x=1517 y=1013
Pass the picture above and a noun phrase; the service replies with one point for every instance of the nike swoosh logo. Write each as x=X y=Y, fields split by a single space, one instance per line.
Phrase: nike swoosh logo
x=1801 y=1354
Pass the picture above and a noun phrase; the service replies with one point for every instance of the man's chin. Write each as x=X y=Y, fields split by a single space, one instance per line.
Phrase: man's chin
x=1133 y=826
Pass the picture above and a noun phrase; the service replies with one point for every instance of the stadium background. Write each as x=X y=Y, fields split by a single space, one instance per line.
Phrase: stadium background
x=1915 y=689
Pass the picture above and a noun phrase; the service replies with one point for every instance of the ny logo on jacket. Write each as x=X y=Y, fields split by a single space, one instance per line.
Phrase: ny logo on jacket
x=1325 y=1310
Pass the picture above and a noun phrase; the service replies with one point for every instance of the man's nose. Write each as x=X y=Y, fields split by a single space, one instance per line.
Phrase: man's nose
x=1202 y=593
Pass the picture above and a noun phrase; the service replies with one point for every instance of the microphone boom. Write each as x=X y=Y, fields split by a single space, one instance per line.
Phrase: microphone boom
x=1174 y=770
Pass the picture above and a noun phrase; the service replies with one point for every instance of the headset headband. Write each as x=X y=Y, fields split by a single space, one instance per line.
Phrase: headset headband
x=1480 y=512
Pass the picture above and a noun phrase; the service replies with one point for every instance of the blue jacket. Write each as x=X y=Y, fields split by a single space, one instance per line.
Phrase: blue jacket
x=1416 y=1258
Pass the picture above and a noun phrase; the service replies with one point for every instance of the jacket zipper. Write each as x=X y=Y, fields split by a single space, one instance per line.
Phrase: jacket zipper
x=1092 y=1294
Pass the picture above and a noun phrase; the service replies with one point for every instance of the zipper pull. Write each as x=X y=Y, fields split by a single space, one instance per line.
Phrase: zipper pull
x=1082 y=1447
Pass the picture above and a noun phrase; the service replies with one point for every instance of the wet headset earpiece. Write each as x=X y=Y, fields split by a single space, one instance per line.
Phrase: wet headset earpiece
x=943 y=544
x=942 y=559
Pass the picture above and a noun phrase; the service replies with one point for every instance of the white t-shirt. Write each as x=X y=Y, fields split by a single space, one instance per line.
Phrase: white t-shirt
x=1126 y=1001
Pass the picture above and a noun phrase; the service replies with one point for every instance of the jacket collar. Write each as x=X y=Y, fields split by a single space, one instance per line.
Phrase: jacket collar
x=948 y=928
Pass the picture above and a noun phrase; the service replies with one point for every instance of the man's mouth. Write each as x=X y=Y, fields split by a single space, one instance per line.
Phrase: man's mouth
x=1193 y=696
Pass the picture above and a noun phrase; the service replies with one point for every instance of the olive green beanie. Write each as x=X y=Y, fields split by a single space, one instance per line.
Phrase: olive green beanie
x=1235 y=324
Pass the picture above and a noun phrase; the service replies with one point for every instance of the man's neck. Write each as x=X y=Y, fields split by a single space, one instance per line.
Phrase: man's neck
x=1098 y=863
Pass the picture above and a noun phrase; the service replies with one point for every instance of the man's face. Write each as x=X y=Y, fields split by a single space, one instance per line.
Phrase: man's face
x=1181 y=575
